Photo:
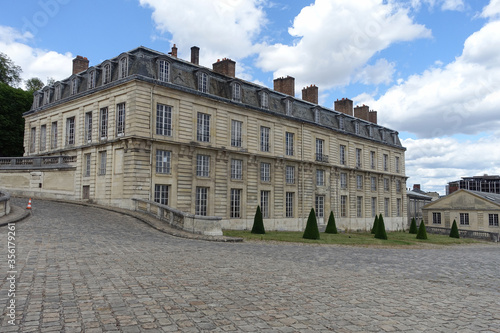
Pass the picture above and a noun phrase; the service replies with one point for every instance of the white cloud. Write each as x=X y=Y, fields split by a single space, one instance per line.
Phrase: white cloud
x=453 y=5
x=221 y=28
x=435 y=162
x=461 y=97
x=335 y=40
x=34 y=62
x=381 y=72
x=492 y=10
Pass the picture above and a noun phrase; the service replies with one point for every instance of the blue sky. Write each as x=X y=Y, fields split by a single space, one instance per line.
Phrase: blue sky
x=431 y=68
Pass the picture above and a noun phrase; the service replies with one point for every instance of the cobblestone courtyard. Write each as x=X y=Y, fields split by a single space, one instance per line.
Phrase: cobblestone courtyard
x=83 y=269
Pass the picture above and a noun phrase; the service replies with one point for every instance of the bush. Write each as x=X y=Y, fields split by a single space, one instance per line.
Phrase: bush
x=413 y=226
x=454 y=230
x=422 y=233
x=258 y=223
x=375 y=225
x=311 y=231
x=380 y=232
x=331 y=227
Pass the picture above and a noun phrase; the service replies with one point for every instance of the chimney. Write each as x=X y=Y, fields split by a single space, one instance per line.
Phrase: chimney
x=372 y=116
x=225 y=67
x=173 y=53
x=416 y=187
x=344 y=105
x=195 y=55
x=80 y=64
x=361 y=112
x=310 y=94
x=285 y=85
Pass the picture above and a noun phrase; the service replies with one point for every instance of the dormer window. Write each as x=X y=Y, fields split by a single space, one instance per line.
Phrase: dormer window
x=106 y=73
x=264 y=99
x=341 y=123
x=46 y=97
x=356 y=127
x=203 y=82
x=36 y=100
x=236 y=91
x=74 y=86
x=370 y=131
x=382 y=135
x=163 y=71
x=91 y=79
x=123 y=68
x=57 y=92
x=288 y=107
x=394 y=138
x=317 y=114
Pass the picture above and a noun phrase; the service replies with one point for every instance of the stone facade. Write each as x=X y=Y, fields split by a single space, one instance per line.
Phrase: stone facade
x=151 y=126
x=471 y=210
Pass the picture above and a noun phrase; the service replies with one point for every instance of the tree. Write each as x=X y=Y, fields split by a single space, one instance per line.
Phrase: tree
x=375 y=225
x=331 y=227
x=9 y=72
x=381 y=233
x=413 y=226
x=422 y=233
x=454 y=230
x=34 y=84
x=13 y=103
x=311 y=231
x=258 y=223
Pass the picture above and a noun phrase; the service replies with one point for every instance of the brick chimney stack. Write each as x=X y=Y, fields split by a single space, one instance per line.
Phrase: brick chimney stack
x=173 y=53
x=416 y=187
x=285 y=85
x=225 y=67
x=372 y=116
x=195 y=55
x=344 y=105
x=80 y=64
x=310 y=94
x=361 y=112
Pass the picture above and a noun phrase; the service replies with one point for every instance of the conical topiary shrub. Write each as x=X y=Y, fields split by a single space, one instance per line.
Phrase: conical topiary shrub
x=380 y=233
x=258 y=223
x=422 y=233
x=454 y=230
x=311 y=231
x=375 y=225
x=413 y=226
x=331 y=228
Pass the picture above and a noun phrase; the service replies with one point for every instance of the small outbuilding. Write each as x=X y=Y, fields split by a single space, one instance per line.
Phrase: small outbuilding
x=472 y=210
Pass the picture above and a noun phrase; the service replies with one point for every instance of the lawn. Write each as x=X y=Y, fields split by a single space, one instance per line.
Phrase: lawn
x=395 y=239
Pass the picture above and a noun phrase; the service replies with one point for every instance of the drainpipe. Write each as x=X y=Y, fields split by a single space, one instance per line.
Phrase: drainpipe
x=151 y=150
x=303 y=166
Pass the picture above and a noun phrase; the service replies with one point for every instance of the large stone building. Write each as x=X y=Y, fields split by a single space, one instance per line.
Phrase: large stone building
x=149 y=125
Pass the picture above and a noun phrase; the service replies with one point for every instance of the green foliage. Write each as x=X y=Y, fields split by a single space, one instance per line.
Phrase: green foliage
x=10 y=74
x=34 y=84
x=311 y=231
x=380 y=233
x=454 y=230
x=13 y=103
x=413 y=226
x=375 y=225
x=422 y=233
x=331 y=227
x=258 y=223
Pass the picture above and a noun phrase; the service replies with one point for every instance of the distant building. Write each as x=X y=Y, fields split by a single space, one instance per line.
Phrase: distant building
x=485 y=183
x=472 y=210
x=416 y=200
x=149 y=125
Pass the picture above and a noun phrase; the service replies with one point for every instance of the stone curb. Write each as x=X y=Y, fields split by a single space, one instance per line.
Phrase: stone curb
x=154 y=223
x=17 y=214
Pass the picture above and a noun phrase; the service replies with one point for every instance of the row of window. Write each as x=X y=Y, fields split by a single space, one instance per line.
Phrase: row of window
x=75 y=81
x=162 y=194
x=163 y=165
x=70 y=138
x=464 y=219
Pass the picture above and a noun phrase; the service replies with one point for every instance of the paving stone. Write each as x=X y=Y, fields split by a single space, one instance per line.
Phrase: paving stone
x=87 y=269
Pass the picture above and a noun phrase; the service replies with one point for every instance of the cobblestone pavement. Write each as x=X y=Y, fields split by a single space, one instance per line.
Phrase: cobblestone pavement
x=83 y=269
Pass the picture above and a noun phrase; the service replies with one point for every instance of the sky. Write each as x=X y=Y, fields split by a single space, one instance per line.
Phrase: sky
x=431 y=68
